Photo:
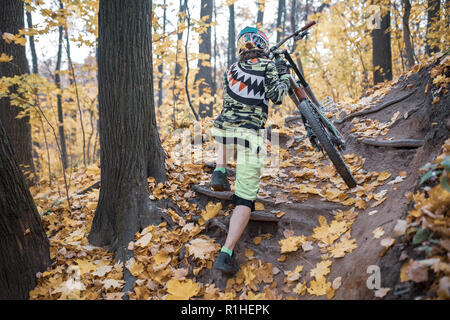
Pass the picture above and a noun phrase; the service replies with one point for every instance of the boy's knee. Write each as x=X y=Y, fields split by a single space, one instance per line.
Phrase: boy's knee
x=238 y=201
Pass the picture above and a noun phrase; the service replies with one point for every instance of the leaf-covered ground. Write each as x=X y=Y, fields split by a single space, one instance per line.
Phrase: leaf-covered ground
x=312 y=252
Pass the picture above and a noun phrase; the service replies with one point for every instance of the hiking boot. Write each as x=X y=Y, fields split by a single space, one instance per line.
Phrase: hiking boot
x=219 y=181
x=226 y=263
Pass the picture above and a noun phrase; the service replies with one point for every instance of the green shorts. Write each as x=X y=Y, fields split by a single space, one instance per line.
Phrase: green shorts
x=250 y=158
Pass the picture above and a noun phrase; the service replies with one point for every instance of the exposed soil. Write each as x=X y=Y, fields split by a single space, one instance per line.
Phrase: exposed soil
x=418 y=119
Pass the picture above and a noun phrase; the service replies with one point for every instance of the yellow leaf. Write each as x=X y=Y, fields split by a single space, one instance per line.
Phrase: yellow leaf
x=212 y=210
x=182 y=290
x=294 y=275
x=5 y=58
x=291 y=244
x=136 y=269
x=144 y=240
x=300 y=289
x=378 y=233
x=257 y=240
x=8 y=37
x=202 y=248
x=319 y=286
x=383 y=176
x=259 y=206
x=321 y=269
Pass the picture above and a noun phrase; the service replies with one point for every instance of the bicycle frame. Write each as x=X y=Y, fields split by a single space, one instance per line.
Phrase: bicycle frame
x=302 y=90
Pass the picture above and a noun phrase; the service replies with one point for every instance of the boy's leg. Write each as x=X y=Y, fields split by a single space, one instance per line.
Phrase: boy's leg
x=219 y=181
x=221 y=161
x=248 y=170
x=238 y=223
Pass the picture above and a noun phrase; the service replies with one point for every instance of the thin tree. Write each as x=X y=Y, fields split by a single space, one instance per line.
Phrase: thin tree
x=34 y=59
x=381 y=47
x=231 y=54
x=177 y=73
x=409 y=49
x=161 y=65
x=260 y=15
x=73 y=82
x=128 y=132
x=18 y=129
x=24 y=247
x=281 y=17
x=294 y=27
x=62 y=137
x=204 y=75
x=433 y=17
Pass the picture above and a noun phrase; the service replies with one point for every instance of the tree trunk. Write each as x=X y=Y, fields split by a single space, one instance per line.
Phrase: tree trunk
x=293 y=29
x=177 y=72
x=24 y=247
x=433 y=16
x=62 y=137
x=280 y=19
x=204 y=75
x=161 y=66
x=260 y=15
x=381 y=50
x=128 y=133
x=18 y=130
x=406 y=33
x=214 y=75
x=231 y=57
x=34 y=59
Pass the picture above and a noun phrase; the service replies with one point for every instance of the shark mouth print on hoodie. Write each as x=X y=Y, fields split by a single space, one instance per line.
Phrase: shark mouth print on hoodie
x=246 y=86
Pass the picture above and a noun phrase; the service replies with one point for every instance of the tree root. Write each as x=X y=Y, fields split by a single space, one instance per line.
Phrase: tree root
x=222 y=195
x=290 y=119
x=381 y=107
x=401 y=143
x=96 y=185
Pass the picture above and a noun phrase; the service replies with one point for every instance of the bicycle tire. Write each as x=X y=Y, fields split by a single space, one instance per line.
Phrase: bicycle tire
x=326 y=144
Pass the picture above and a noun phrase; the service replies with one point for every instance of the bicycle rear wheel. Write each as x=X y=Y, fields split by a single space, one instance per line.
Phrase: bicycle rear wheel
x=326 y=143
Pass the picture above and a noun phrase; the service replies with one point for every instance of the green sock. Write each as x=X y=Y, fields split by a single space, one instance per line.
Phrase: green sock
x=223 y=170
x=226 y=250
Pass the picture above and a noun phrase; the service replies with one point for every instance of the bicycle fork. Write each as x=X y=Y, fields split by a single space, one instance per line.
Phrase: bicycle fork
x=298 y=95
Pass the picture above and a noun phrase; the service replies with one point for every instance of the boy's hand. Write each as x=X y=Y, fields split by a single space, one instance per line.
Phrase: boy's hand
x=282 y=67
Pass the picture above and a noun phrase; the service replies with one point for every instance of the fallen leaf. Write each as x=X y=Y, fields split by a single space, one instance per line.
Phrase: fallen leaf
x=257 y=240
x=144 y=241
x=380 y=293
x=291 y=244
x=319 y=286
x=322 y=269
x=112 y=283
x=378 y=233
x=102 y=271
x=400 y=227
x=387 y=242
x=259 y=206
x=337 y=283
x=182 y=290
x=202 y=248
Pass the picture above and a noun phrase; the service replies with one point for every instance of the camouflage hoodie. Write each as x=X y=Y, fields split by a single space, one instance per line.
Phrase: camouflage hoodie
x=248 y=87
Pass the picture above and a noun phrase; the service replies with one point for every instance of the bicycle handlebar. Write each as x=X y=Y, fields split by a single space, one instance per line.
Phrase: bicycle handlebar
x=295 y=34
x=309 y=25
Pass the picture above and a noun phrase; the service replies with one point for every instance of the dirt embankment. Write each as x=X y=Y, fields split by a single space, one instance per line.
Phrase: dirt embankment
x=419 y=119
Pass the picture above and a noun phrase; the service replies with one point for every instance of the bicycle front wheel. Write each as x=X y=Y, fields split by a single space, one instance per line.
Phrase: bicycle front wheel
x=326 y=143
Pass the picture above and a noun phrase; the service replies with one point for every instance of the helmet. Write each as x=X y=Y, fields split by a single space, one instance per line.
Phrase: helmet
x=252 y=38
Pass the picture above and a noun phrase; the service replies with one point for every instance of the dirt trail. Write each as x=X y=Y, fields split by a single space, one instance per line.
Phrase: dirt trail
x=415 y=117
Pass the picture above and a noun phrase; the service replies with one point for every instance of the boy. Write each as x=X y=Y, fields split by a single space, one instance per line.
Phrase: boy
x=249 y=84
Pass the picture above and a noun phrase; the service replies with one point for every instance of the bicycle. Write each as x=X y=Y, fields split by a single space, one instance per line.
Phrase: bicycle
x=320 y=130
